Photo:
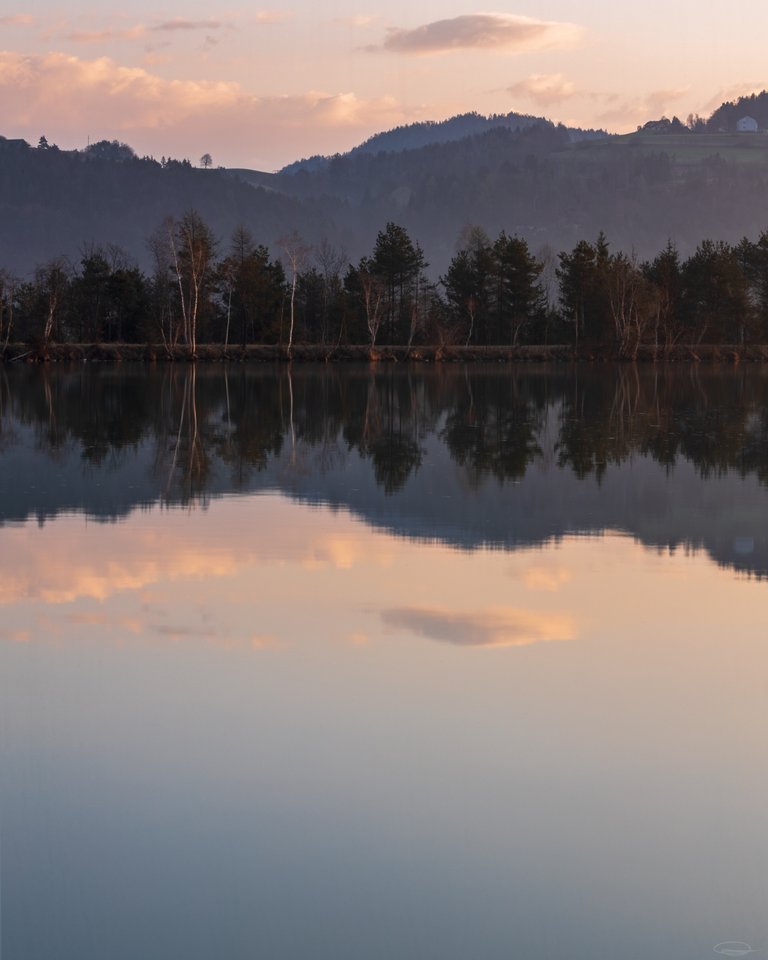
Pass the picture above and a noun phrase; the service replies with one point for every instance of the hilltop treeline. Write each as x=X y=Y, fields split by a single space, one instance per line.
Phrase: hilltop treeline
x=494 y=292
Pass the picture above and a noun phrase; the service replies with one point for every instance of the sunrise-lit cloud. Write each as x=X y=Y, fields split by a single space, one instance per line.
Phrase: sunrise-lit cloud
x=493 y=628
x=17 y=20
x=733 y=92
x=482 y=31
x=359 y=21
x=272 y=16
x=153 y=113
x=179 y=23
x=138 y=32
x=544 y=89
x=142 y=31
x=652 y=106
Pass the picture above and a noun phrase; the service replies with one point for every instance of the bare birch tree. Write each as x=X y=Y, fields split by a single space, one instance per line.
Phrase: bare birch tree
x=296 y=252
x=191 y=245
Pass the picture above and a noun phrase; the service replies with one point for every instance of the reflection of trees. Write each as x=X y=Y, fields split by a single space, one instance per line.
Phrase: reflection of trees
x=8 y=434
x=387 y=425
x=211 y=426
x=82 y=407
x=713 y=418
x=493 y=426
x=251 y=427
x=190 y=462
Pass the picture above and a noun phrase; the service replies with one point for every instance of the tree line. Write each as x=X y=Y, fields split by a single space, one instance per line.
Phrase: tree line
x=496 y=291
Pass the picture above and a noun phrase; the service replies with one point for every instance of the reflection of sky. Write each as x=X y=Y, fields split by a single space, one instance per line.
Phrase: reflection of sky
x=264 y=730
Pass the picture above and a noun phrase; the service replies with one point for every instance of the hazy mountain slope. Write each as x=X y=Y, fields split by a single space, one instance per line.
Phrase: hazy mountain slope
x=640 y=190
x=543 y=182
x=56 y=203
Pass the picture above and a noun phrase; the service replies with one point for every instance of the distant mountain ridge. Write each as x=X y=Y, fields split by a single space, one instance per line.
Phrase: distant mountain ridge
x=414 y=136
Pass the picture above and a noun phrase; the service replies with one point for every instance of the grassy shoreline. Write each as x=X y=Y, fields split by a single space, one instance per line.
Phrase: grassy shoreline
x=300 y=353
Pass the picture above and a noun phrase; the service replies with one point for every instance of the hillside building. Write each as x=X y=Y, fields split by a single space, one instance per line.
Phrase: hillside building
x=747 y=125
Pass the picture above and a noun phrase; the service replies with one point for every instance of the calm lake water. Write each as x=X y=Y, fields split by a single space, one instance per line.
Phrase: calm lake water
x=365 y=664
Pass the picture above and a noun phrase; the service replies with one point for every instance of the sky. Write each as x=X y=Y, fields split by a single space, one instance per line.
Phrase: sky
x=260 y=87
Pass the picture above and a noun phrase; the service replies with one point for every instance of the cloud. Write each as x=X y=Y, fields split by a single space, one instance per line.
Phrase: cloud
x=104 y=36
x=544 y=89
x=734 y=92
x=179 y=23
x=17 y=20
x=272 y=16
x=481 y=31
x=495 y=628
x=158 y=115
x=629 y=113
x=358 y=22
x=141 y=32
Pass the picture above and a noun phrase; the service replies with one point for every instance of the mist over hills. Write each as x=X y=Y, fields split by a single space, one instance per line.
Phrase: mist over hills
x=549 y=184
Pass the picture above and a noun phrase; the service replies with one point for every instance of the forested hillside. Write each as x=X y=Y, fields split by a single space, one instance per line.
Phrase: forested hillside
x=61 y=203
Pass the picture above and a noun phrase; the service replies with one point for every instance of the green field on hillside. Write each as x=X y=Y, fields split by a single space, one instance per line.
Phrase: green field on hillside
x=746 y=148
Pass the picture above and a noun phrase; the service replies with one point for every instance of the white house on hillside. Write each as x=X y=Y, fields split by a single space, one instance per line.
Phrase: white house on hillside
x=747 y=125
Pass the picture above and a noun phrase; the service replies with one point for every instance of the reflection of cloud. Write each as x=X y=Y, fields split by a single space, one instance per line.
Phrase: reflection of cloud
x=91 y=618
x=481 y=31
x=493 y=628
x=544 y=89
x=125 y=100
x=265 y=642
x=55 y=577
x=180 y=632
x=342 y=553
x=122 y=559
x=549 y=579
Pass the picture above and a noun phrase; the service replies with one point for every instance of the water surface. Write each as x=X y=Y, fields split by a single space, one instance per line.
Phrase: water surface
x=383 y=662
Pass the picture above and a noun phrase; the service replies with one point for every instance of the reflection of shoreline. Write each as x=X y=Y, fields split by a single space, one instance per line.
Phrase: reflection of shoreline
x=508 y=458
x=141 y=353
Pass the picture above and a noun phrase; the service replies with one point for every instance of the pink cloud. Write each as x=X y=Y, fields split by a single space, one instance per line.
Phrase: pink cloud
x=734 y=92
x=272 y=16
x=181 y=117
x=103 y=36
x=627 y=114
x=17 y=20
x=179 y=23
x=481 y=31
x=544 y=89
